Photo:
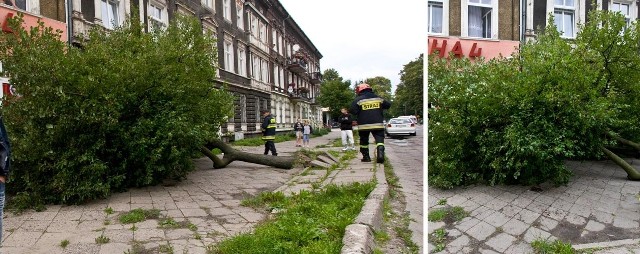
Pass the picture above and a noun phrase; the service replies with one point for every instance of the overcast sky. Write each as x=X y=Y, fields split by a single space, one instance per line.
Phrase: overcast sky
x=363 y=38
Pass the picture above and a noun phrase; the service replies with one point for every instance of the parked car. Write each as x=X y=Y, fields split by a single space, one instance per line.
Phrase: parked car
x=400 y=126
x=335 y=125
x=413 y=119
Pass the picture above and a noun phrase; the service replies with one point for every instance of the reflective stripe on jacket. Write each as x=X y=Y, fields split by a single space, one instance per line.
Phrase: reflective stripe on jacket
x=368 y=107
x=268 y=128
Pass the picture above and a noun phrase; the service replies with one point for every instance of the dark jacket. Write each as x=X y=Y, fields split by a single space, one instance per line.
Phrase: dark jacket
x=268 y=128
x=5 y=150
x=345 y=122
x=298 y=126
x=368 y=107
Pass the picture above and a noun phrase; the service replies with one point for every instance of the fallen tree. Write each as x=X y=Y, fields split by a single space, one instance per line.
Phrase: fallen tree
x=517 y=120
x=231 y=154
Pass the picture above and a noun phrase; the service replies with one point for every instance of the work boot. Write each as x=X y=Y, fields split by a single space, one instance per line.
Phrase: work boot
x=380 y=154
x=365 y=155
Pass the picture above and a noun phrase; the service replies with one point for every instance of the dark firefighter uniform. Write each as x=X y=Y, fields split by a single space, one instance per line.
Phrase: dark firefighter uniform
x=368 y=108
x=269 y=133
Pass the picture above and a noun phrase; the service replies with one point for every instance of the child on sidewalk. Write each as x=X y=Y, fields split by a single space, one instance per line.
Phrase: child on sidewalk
x=307 y=130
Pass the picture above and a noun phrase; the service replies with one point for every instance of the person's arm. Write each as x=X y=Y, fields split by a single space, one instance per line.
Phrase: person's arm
x=386 y=104
x=265 y=124
x=355 y=108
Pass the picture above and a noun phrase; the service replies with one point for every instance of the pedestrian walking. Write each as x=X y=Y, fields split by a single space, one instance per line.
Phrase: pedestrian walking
x=298 y=127
x=307 y=130
x=269 y=133
x=346 y=130
x=5 y=156
x=368 y=108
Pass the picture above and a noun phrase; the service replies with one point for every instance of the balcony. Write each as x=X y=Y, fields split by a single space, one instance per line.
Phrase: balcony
x=316 y=78
x=297 y=65
x=314 y=101
x=299 y=97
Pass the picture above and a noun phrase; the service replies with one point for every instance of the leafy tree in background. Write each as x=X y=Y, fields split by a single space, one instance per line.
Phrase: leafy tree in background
x=335 y=93
x=128 y=109
x=381 y=86
x=408 y=97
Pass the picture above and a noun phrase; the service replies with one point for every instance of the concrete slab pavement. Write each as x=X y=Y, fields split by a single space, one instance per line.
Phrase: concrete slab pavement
x=598 y=206
x=209 y=199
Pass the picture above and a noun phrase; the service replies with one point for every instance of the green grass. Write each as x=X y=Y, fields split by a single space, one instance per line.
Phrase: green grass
x=168 y=223
x=437 y=215
x=102 y=239
x=442 y=202
x=556 y=247
x=165 y=248
x=381 y=237
x=310 y=222
x=263 y=199
x=454 y=213
x=438 y=239
x=108 y=210
x=64 y=243
x=257 y=141
x=138 y=215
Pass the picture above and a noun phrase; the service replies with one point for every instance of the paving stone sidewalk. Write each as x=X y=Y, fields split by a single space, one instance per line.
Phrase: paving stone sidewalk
x=599 y=206
x=209 y=199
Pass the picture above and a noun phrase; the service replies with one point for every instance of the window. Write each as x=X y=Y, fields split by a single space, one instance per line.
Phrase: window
x=226 y=9
x=564 y=17
x=623 y=9
x=480 y=12
x=208 y=3
x=436 y=17
x=242 y=64
x=21 y=4
x=274 y=39
x=156 y=17
x=261 y=35
x=110 y=14
x=255 y=67
x=240 y=17
x=243 y=108
x=254 y=29
x=228 y=56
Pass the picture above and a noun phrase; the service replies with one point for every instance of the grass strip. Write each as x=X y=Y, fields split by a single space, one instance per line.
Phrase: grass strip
x=308 y=222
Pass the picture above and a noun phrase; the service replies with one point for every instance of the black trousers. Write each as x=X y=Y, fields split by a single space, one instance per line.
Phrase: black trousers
x=269 y=145
x=378 y=135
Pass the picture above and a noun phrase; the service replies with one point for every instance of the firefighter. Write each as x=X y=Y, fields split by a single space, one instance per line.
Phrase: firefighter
x=368 y=107
x=269 y=133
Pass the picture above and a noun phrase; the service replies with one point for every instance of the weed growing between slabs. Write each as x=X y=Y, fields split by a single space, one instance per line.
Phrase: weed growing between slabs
x=308 y=222
x=541 y=246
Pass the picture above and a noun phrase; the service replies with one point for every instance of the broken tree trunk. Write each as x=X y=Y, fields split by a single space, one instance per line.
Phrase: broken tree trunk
x=632 y=173
x=231 y=154
x=624 y=141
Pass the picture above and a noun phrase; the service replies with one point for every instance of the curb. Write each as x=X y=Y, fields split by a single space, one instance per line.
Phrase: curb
x=358 y=237
x=607 y=244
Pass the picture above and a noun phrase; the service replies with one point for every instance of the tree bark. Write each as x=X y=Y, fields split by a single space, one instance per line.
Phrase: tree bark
x=231 y=154
x=632 y=173
x=624 y=141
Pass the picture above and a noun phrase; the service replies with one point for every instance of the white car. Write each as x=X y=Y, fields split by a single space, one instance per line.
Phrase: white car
x=400 y=126
x=412 y=118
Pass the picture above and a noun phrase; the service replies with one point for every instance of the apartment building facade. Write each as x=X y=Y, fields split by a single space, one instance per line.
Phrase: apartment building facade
x=264 y=57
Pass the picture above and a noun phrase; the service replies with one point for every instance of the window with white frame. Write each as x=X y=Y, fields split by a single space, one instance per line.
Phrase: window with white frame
x=156 y=15
x=254 y=25
x=110 y=17
x=564 y=17
x=240 y=17
x=480 y=12
x=261 y=32
x=255 y=67
x=226 y=9
x=436 y=18
x=228 y=56
x=243 y=108
x=265 y=70
x=274 y=37
x=208 y=3
x=242 y=64
x=622 y=8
